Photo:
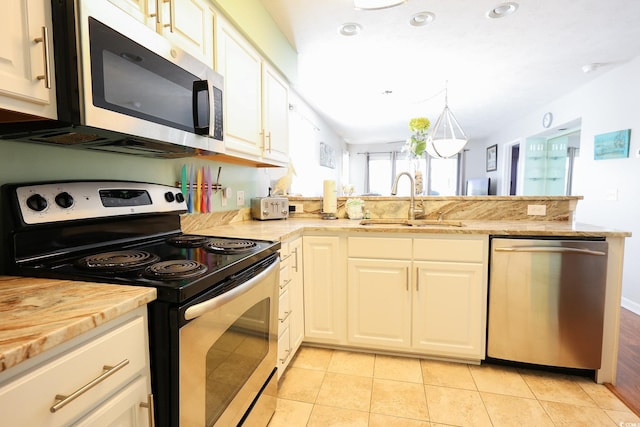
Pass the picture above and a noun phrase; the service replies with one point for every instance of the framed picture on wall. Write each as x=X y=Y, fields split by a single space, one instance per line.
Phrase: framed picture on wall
x=492 y=158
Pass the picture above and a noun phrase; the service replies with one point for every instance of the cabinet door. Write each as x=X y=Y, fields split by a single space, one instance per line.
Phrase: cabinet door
x=128 y=408
x=275 y=115
x=189 y=24
x=23 y=63
x=142 y=10
x=379 y=303
x=324 y=290
x=448 y=309
x=241 y=66
x=296 y=319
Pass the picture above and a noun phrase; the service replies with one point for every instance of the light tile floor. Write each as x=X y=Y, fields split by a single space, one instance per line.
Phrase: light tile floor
x=339 y=388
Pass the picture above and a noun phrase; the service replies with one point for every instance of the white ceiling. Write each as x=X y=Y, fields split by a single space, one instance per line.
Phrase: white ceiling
x=497 y=69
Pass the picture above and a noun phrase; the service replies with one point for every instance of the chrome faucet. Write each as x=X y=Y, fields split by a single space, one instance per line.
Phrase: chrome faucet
x=412 y=203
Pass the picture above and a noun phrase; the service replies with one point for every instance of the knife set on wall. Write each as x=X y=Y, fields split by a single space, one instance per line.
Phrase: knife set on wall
x=198 y=188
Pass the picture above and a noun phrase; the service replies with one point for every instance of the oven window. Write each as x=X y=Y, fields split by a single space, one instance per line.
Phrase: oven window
x=234 y=357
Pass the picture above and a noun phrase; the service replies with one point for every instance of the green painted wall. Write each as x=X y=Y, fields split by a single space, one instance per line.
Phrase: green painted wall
x=252 y=19
x=24 y=162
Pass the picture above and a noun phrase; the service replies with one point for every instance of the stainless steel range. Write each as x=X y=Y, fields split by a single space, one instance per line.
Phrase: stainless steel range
x=213 y=328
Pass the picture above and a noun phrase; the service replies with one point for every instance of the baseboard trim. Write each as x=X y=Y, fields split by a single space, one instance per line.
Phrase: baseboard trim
x=631 y=305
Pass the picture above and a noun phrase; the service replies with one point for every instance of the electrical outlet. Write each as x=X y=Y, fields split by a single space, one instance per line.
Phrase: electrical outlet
x=240 y=198
x=540 y=210
x=297 y=208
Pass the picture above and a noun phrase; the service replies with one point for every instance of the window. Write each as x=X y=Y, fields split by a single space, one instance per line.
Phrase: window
x=443 y=175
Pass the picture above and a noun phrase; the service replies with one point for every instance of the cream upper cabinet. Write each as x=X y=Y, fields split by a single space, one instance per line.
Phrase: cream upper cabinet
x=26 y=58
x=275 y=115
x=325 y=296
x=144 y=11
x=256 y=100
x=189 y=24
x=241 y=67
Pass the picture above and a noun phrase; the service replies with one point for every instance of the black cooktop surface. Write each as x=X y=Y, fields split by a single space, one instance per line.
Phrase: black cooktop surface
x=180 y=267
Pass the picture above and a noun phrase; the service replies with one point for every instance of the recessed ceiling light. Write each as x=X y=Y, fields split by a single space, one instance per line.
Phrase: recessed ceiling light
x=349 y=29
x=502 y=10
x=376 y=4
x=421 y=18
x=589 y=68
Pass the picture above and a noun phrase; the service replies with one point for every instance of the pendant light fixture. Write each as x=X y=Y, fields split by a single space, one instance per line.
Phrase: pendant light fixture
x=447 y=137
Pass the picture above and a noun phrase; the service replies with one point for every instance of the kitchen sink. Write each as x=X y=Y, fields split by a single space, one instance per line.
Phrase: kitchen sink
x=412 y=222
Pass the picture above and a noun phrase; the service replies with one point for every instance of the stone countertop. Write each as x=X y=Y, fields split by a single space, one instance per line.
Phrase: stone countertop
x=39 y=314
x=294 y=227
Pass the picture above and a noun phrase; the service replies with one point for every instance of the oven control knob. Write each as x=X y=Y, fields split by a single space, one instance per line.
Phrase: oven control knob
x=179 y=198
x=168 y=196
x=37 y=203
x=64 y=200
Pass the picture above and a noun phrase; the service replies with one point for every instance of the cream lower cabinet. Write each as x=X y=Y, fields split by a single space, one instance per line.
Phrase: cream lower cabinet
x=325 y=296
x=448 y=309
x=429 y=300
x=99 y=378
x=379 y=298
x=291 y=305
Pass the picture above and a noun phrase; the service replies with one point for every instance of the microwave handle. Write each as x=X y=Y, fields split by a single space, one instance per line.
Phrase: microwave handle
x=201 y=102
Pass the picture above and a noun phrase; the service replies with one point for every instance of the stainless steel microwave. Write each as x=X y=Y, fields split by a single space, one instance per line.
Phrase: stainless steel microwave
x=122 y=87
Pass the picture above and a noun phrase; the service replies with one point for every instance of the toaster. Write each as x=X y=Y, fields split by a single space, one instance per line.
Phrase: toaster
x=263 y=208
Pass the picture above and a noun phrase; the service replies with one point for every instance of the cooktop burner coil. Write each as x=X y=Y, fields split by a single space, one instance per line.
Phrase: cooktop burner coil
x=230 y=246
x=175 y=270
x=117 y=261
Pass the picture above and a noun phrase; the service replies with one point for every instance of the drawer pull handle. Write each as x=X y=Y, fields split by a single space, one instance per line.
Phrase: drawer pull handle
x=287 y=353
x=149 y=406
x=286 y=314
x=285 y=283
x=63 y=400
x=284 y=258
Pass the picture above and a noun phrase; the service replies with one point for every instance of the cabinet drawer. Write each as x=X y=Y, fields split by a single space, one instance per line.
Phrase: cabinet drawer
x=284 y=252
x=285 y=277
x=123 y=409
x=467 y=250
x=35 y=392
x=284 y=311
x=284 y=350
x=379 y=247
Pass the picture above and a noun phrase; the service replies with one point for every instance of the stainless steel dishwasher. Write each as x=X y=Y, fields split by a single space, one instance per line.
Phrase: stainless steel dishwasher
x=546 y=301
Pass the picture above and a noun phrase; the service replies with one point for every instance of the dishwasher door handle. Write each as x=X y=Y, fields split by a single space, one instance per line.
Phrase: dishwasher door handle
x=550 y=249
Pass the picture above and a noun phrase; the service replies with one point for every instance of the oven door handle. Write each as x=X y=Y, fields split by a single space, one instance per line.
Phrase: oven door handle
x=203 y=307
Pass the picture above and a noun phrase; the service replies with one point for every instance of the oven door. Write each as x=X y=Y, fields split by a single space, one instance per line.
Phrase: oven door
x=228 y=351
